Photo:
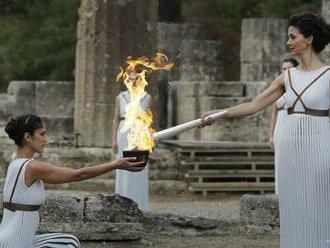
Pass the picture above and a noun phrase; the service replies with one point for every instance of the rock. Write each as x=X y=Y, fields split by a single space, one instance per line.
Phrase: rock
x=260 y=213
x=113 y=217
x=163 y=165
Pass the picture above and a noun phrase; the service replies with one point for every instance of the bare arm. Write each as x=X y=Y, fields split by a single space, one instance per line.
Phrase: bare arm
x=116 y=121
x=38 y=170
x=273 y=122
x=267 y=97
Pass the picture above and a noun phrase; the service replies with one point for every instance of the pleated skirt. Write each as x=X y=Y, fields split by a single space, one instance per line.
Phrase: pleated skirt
x=304 y=182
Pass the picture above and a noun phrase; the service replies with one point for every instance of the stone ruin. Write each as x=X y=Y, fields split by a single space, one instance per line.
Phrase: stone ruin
x=83 y=111
x=79 y=114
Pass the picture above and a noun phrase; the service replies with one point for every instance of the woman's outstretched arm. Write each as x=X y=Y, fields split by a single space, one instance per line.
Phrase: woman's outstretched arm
x=39 y=170
x=267 y=97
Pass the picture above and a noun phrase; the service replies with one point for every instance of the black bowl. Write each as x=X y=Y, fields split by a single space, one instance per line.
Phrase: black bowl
x=139 y=155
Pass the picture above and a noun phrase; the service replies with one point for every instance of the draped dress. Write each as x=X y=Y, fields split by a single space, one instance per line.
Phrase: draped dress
x=304 y=161
x=18 y=228
x=133 y=185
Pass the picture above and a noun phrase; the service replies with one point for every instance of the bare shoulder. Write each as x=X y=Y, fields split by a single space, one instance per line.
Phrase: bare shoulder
x=38 y=166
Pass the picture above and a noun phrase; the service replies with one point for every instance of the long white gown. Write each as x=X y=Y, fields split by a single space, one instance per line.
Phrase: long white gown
x=279 y=125
x=133 y=185
x=304 y=163
x=18 y=228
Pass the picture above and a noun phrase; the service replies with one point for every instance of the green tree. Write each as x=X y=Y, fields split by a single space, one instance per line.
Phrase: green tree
x=37 y=40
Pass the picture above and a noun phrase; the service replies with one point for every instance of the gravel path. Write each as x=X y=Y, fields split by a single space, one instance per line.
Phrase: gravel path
x=224 y=207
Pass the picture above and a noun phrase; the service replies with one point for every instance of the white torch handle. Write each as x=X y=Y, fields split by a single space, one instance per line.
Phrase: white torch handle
x=169 y=132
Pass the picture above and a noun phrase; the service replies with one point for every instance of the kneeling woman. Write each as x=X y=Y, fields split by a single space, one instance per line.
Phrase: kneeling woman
x=24 y=192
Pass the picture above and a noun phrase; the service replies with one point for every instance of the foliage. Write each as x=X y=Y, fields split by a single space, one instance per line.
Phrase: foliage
x=231 y=13
x=37 y=39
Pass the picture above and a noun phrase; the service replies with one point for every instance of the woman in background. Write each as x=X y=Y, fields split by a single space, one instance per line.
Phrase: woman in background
x=279 y=113
x=131 y=185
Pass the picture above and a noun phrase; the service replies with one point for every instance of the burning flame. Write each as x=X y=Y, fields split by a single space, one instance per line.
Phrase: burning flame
x=137 y=121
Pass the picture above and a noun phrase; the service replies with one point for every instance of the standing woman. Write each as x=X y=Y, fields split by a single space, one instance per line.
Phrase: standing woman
x=278 y=117
x=304 y=158
x=131 y=185
x=24 y=192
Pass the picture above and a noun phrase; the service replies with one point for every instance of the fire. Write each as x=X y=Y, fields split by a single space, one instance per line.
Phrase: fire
x=137 y=121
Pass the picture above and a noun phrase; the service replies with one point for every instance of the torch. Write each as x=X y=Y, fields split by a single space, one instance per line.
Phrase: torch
x=138 y=120
x=169 y=132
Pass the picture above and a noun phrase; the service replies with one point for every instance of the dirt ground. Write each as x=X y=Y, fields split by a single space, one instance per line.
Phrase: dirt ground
x=232 y=241
x=215 y=206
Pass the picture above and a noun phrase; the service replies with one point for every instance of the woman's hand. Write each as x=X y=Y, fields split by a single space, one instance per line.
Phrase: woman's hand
x=128 y=164
x=208 y=121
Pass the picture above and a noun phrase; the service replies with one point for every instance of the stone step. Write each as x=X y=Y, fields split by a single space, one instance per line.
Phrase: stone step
x=232 y=186
x=212 y=144
x=228 y=161
x=229 y=173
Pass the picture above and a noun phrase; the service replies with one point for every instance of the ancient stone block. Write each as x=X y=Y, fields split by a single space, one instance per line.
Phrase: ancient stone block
x=260 y=213
x=4 y=99
x=54 y=98
x=191 y=72
x=190 y=99
x=163 y=164
x=263 y=46
x=63 y=208
x=21 y=97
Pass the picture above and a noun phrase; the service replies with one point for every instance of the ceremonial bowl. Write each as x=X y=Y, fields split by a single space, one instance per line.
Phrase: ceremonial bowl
x=139 y=155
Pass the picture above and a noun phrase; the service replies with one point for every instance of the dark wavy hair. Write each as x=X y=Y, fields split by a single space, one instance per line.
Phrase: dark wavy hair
x=291 y=60
x=312 y=25
x=17 y=127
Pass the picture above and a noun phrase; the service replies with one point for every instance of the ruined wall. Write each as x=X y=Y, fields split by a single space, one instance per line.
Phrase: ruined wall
x=195 y=98
x=263 y=46
x=52 y=100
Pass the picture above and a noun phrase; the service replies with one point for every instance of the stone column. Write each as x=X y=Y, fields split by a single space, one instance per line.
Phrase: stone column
x=326 y=9
x=263 y=46
x=108 y=32
x=326 y=15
